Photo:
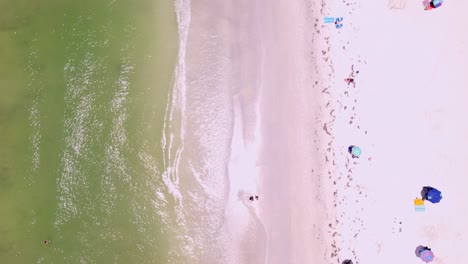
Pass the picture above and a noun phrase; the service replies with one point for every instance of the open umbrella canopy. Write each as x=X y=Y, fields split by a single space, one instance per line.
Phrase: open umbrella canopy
x=437 y=3
x=427 y=256
x=434 y=195
x=356 y=151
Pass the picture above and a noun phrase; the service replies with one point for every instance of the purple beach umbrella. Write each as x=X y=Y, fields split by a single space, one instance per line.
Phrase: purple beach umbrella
x=427 y=256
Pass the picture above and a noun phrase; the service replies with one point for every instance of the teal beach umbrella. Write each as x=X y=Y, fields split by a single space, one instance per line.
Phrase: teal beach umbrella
x=355 y=151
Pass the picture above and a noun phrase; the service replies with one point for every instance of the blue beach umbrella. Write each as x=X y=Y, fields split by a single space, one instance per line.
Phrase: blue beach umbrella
x=434 y=195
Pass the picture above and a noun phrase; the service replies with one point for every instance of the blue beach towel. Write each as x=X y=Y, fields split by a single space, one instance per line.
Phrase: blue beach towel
x=419 y=208
x=328 y=20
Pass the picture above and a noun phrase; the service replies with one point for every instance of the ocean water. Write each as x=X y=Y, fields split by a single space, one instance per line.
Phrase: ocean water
x=124 y=137
x=83 y=108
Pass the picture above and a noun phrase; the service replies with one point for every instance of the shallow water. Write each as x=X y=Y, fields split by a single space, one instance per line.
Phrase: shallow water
x=84 y=88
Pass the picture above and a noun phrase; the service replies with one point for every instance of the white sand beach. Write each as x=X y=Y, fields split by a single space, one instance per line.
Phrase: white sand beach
x=283 y=70
x=407 y=113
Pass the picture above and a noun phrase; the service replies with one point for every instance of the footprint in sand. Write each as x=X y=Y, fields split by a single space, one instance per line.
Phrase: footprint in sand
x=396 y=4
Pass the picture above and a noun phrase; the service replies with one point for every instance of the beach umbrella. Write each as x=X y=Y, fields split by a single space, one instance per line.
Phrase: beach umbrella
x=427 y=255
x=437 y=3
x=356 y=151
x=434 y=195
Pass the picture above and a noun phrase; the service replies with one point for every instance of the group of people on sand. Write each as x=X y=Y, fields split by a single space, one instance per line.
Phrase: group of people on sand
x=251 y=198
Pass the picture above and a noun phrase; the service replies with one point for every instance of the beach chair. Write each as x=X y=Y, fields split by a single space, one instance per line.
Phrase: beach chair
x=338 y=23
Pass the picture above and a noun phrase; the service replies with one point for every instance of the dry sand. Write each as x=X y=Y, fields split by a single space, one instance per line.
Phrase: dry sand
x=407 y=112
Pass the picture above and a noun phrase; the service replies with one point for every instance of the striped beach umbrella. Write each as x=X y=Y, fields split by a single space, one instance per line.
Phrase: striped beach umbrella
x=427 y=256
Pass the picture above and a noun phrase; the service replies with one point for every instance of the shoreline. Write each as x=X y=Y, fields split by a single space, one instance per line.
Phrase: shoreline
x=217 y=163
x=316 y=204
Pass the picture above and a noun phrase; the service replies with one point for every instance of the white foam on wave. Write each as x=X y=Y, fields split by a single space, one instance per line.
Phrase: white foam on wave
x=172 y=140
x=175 y=109
x=200 y=196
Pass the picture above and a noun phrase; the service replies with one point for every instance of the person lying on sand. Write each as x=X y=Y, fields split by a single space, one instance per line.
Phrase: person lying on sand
x=350 y=81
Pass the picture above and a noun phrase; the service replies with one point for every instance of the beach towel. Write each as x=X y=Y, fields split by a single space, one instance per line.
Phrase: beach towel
x=419 y=205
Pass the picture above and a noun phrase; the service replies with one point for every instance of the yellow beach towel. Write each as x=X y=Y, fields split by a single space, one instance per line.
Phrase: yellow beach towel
x=418 y=201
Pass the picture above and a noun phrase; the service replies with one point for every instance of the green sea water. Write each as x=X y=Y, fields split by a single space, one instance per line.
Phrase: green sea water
x=84 y=86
